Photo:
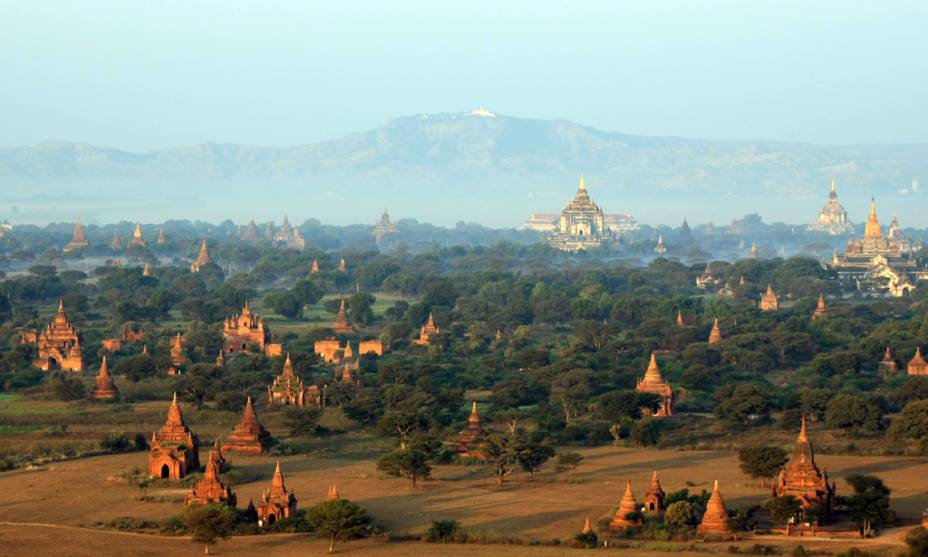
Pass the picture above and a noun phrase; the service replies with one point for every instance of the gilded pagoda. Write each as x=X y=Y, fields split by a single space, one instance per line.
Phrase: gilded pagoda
x=384 y=226
x=202 y=259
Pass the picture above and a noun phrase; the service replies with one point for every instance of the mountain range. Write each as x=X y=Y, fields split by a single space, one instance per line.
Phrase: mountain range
x=466 y=166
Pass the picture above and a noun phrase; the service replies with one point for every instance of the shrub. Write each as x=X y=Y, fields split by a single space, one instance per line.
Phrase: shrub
x=443 y=531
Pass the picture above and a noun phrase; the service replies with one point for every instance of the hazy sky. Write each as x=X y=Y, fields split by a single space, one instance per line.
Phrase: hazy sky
x=142 y=75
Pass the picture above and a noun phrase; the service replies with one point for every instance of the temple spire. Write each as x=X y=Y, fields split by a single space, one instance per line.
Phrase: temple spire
x=582 y=184
x=332 y=494
x=278 y=481
x=803 y=435
x=872 y=230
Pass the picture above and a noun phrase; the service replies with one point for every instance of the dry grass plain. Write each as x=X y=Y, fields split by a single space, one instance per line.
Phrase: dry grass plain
x=85 y=492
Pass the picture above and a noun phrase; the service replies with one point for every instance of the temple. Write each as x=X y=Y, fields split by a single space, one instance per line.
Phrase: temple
x=288 y=237
x=137 y=238
x=627 y=506
x=769 y=301
x=161 y=239
x=426 y=331
x=249 y=436
x=917 y=365
x=654 y=498
x=887 y=365
x=277 y=502
x=116 y=244
x=470 y=438
x=582 y=224
x=715 y=519
x=342 y=325
x=78 y=241
x=104 y=389
x=877 y=264
x=832 y=218
x=342 y=266
x=314 y=268
x=250 y=236
x=819 y=308
x=175 y=451
x=715 y=335
x=60 y=345
x=202 y=258
x=654 y=384
x=248 y=332
x=802 y=479
x=289 y=390
x=177 y=351
x=660 y=248
x=384 y=226
x=210 y=490
x=706 y=279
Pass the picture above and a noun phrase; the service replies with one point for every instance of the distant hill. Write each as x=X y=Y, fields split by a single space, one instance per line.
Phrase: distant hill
x=419 y=161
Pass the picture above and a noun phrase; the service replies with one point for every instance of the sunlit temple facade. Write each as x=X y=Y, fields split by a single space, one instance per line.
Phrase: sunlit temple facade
x=832 y=218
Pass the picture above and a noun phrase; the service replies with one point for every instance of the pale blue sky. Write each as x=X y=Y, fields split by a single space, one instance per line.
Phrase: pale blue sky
x=141 y=75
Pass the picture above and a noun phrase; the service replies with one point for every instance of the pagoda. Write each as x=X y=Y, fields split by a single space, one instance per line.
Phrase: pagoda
x=660 y=248
x=332 y=494
x=917 y=365
x=802 y=479
x=289 y=390
x=215 y=456
x=314 y=268
x=342 y=325
x=582 y=224
x=245 y=330
x=104 y=388
x=60 y=345
x=471 y=437
x=627 y=506
x=654 y=498
x=654 y=384
x=680 y=322
x=426 y=331
x=715 y=335
x=288 y=237
x=202 y=258
x=249 y=436
x=819 y=308
x=706 y=279
x=161 y=239
x=832 y=218
x=116 y=244
x=715 y=519
x=384 y=226
x=768 y=300
x=250 y=236
x=754 y=251
x=887 y=365
x=175 y=451
x=210 y=490
x=342 y=266
x=137 y=239
x=177 y=351
x=78 y=241
x=278 y=502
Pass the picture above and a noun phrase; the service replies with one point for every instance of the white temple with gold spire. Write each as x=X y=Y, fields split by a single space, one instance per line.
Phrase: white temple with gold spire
x=581 y=225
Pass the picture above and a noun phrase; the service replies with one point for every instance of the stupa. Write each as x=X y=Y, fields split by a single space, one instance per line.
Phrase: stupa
x=249 y=436
x=104 y=388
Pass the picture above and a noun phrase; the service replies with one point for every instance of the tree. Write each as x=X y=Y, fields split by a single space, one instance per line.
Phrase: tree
x=401 y=424
x=498 y=450
x=209 y=523
x=67 y=388
x=917 y=542
x=869 y=505
x=532 y=456
x=338 y=520
x=761 y=462
x=680 y=514
x=742 y=403
x=360 y=308
x=853 y=412
x=784 y=510
x=302 y=422
x=410 y=463
x=569 y=391
x=911 y=423
x=286 y=304
x=568 y=462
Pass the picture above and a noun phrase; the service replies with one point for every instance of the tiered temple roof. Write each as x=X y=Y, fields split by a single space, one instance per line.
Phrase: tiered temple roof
x=917 y=365
x=277 y=502
x=768 y=300
x=78 y=240
x=888 y=364
x=653 y=382
x=802 y=479
x=244 y=331
x=289 y=390
x=202 y=258
x=582 y=224
x=715 y=335
x=116 y=244
x=249 y=436
x=60 y=345
x=174 y=448
x=654 y=498
x=832 y=218
x=104 y=388
x=384 y=226
x=341 y=324
x=427 y=331
x=210 y=489
x=470 y=438
x=819 y=308
x=627 y=506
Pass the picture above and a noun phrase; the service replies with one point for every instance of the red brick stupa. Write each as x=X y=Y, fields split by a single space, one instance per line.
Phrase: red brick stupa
x=714 y=521
x=276 y=503
x=175 y=451
x=104 y=389
x=249 y=436
x=470 y=438
x=627 y=506
x=715 y=335
x=341 y=325
x=802 y=479
x=654 y=498
x=917 y=365
x=653 y=382
x=210 y=489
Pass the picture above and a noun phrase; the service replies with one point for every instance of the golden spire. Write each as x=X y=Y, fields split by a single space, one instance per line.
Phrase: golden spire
x=586 y=525
x=332 y=494
x=803 y=436
x=872 y=230
x=278 y=481
x=582 y=184
x=473 y=413
x=653 y=374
